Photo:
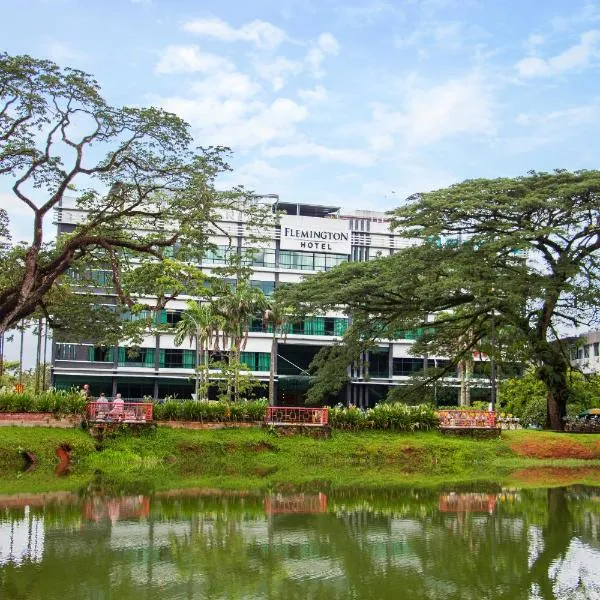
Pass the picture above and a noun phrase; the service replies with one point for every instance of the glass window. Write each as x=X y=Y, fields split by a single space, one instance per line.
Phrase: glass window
x=407 y=366
x=586 y=351
x=266 y=286
x=136 y=357
x=597 y=349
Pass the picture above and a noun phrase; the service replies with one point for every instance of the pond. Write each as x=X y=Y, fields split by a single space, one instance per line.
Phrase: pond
x=468 y=543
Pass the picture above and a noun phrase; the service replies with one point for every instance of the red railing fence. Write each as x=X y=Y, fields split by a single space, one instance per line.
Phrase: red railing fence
x=291 y=415
x=467 y=419
x=120 y=412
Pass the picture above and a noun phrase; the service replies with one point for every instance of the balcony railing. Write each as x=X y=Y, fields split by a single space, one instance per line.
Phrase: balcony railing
x=119 y=412
x=291 y=415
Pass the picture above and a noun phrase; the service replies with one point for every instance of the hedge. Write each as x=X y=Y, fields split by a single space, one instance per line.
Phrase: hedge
x=395 y=416
x=59 y=402
x=211 y=411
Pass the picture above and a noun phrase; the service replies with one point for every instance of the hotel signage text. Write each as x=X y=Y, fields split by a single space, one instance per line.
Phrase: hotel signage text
x=312 y=234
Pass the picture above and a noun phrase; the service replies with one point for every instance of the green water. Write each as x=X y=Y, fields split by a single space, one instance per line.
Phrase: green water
x=468 y=543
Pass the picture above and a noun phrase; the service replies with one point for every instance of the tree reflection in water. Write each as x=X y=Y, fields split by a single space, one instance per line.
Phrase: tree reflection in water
x=416 y=544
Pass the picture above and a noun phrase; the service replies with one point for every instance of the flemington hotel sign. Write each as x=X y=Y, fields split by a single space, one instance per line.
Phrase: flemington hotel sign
x=313 y=234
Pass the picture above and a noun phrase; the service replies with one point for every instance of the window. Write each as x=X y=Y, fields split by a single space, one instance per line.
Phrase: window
x=256 y=361
x=407 y=366
x=218 y=255
x=379 y=362
x=100 y=354
x=266 y=286
x=177 y=359
x=173 y=317
x=136 y=357
x=597 y=349
x=259 y=257
x=586 y=351
x=309 y=261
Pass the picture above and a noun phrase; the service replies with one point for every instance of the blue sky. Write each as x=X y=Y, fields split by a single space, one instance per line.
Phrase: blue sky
x=356 y=104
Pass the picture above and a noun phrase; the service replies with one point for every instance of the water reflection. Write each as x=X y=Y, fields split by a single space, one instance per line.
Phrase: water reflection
x=494 y=543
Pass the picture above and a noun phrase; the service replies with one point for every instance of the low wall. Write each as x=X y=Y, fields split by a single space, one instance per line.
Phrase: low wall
x=39 y=420
x=201 y=425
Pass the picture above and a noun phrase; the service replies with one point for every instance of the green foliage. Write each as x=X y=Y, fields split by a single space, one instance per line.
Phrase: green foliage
x=525 y=397
x=59 y=402
x=397 y=417
x=142 y=236
x=469 y=284
x=210 y=411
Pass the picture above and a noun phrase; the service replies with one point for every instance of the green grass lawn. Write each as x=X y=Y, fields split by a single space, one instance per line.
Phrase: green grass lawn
x=256 y=459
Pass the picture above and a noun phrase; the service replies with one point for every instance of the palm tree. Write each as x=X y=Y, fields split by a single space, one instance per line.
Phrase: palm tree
x=278 y=317
x=201 y=323
x=237 y=306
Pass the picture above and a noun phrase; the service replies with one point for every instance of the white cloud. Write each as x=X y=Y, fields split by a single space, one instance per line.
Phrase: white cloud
x=567 y=117
x=430 y=114
x=277 y=71
x=535 y=39
x=325 y=45
x=367 y=14
x=189 y=59
x=61 y=52
x=259 y=175
x=260 y=33
x=226 y=84
x=328 y=43
x=380 y=143
x=236 y=122
x=575 y=57
x=317 y=94
x=305 y=149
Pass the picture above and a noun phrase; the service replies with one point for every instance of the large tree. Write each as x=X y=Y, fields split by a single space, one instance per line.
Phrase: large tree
x=505 y=259
x=145 y=201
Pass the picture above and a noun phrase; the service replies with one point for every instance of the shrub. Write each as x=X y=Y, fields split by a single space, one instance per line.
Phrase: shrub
x=59 y=402
x=211 y=411
x=396 y=416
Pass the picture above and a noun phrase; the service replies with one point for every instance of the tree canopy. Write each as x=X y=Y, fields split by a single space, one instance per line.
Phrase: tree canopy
x=519 y=254
x=144 y=200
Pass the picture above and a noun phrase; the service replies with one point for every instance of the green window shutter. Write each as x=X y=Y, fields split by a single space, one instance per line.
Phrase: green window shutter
x=264 y=361
x=188 y=359
x=308 y=326
x=162 y=358
x=163 y=316
x=149 y=357
x=319 y=326
x=90 y=352
x=122 y=356
x=340 y=326
x=248 y=359
x=110 y=355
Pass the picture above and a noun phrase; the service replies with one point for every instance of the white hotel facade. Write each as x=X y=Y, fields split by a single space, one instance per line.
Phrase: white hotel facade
x=309 y=239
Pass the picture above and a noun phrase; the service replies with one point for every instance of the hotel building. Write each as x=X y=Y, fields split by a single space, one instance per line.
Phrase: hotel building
x=308 y=239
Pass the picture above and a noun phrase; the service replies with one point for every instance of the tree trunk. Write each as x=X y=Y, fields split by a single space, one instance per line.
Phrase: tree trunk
x=38 y=356
x=197 y=365
x=553 y=372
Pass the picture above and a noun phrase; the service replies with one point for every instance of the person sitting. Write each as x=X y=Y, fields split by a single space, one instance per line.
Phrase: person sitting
x=118 y=408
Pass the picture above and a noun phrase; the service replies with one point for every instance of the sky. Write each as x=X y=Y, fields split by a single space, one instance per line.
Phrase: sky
x=346 y=103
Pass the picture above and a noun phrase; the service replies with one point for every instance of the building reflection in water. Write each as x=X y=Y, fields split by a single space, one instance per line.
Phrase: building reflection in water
x=525 y=544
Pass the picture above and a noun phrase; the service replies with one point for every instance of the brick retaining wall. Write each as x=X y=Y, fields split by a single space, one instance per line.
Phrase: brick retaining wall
x=39 y=420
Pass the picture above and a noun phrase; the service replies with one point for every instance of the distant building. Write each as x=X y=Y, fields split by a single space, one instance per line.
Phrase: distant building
x=585 y=352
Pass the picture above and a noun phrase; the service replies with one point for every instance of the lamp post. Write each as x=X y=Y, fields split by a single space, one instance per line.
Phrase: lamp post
x=493 y=363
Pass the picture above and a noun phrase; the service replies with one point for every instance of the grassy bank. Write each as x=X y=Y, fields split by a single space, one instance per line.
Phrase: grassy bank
x=257 y=459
